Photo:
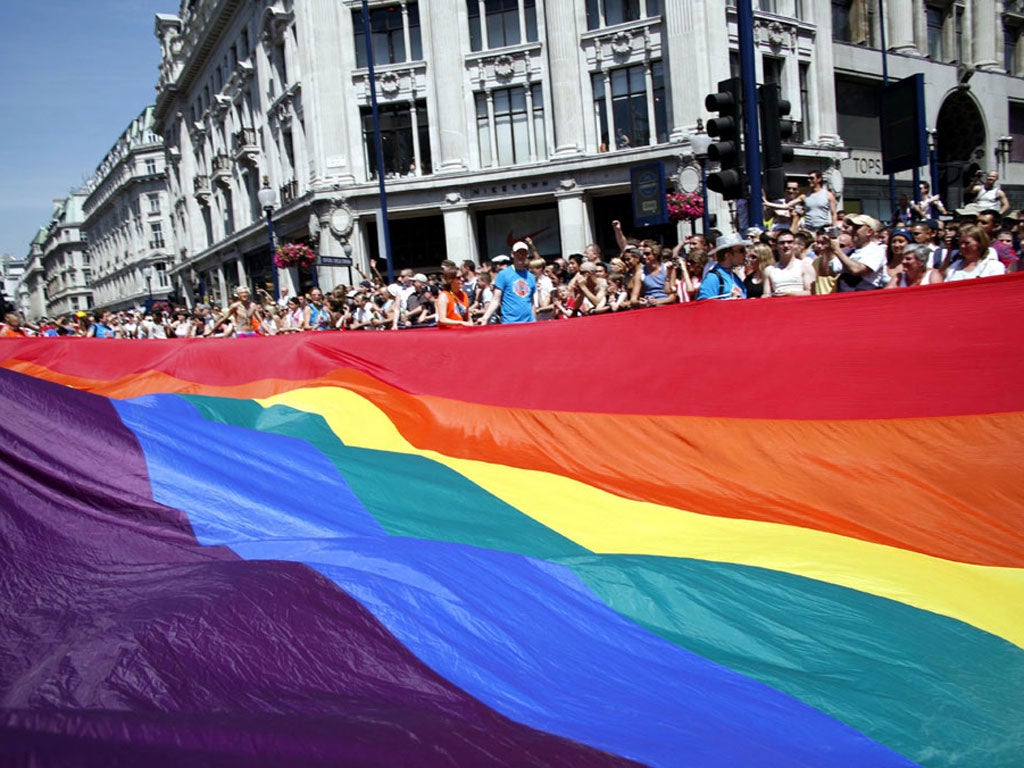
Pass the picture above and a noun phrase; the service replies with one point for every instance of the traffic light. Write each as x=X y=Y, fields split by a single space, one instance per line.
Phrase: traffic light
x=730 y=181
x=776 y=127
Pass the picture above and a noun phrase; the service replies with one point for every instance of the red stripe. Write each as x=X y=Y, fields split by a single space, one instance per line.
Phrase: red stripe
x=935 y=351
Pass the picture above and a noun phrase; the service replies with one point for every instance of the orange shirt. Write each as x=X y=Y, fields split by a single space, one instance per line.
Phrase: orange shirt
x=458 y=308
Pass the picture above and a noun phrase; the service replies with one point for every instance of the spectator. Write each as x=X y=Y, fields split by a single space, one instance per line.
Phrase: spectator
x=648 y=288
x=788 y=277
x=974 y=244
x=899 y=239
x=903 y=214
x=453 y=303
x=988 y=195
x=589 y=293
x=242 y=317
x=915 y=268
x=11 y=328
x=316 y=316
x=513 y=290
x=819 y=205
x=864 y=269
x=784 y=212
x=927 y=206
x=542 y=306
x=721 y=282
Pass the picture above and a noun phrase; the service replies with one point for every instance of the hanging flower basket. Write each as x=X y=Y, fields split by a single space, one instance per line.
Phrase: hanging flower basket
x=684 y=206
x=294 y=255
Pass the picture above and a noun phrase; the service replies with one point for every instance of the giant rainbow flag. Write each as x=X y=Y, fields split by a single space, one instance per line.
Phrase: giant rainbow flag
x=766 y=533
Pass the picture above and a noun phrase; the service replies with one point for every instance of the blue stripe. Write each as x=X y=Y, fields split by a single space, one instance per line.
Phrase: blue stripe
x=523 y=635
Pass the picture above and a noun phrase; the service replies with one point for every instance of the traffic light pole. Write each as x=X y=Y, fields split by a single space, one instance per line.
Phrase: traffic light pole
x=752 y=135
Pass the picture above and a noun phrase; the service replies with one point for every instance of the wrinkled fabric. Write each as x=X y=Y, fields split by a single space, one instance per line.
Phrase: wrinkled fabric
x=426 y=547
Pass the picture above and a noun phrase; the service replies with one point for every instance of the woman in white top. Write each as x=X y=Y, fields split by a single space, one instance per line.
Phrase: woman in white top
x=974 y=242
x=914 y=268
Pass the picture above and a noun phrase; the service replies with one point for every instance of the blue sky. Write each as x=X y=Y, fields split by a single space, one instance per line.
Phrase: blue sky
x=73 y=75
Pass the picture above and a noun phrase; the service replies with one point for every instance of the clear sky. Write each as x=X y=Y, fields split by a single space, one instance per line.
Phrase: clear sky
x=73 y=75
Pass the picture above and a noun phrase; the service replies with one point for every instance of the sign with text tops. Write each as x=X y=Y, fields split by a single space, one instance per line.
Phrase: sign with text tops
x=901 y=119
x=650 y=206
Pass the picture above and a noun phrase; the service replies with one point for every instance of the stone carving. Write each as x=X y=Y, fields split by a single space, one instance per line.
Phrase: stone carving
x=504 y=67
x=389 y=83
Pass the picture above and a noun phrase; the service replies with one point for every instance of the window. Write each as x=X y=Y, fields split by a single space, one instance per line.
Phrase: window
x=1011 y=34
x=151 y=166
x=857 y=106
x=391 y=26
x=852 y=21
x=1017 y=131
x=162 y=280
x=502 y=24
x=405 y=137
x=632 y=105
x=154 y=202
x=156 y=235
x=604 y=13
x=935 y=19
x=772 y=70
x=802 y=128
x=510 y=126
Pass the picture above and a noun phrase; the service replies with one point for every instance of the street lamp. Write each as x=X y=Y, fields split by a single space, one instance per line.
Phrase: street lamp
x=700 y=142
x=147 y=272
x=1004 y=145
x=268 y=199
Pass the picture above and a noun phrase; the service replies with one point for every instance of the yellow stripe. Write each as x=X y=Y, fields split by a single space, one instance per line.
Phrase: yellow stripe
x=987 y=597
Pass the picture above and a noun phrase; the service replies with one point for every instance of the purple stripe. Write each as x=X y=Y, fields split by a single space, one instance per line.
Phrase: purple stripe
x=123 y=640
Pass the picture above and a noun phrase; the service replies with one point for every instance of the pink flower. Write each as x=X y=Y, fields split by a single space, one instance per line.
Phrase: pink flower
x=294 y=255
x=685 y=206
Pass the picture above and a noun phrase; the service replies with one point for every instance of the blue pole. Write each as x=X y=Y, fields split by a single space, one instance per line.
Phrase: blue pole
x=378 y=144
x=885 y=82
x=752 y=135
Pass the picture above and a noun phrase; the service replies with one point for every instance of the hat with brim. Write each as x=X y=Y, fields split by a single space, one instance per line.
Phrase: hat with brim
x=863 y=220
x=725 y=242
x=500 y=259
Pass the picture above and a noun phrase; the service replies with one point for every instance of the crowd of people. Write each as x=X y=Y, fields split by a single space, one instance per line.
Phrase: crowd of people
x=809 y=247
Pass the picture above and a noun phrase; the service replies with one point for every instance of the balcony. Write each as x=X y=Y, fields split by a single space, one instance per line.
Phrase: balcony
x=244 y=146
x=222 y=170
x=289 y=192
x=201 y=189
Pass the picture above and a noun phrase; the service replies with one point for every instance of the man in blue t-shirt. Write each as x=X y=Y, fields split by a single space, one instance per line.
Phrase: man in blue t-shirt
x=721 y=282
x=513 y=289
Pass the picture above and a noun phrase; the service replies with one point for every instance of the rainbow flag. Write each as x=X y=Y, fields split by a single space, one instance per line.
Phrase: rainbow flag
x=764 y=533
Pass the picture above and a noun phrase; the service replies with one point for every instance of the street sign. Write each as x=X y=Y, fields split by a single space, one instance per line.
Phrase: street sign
x=648 y=187
x=902 y=119
x=335 y=261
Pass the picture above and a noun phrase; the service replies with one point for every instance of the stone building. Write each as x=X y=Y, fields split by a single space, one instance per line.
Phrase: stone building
x=506 y=118
x=56 y=275
x=127 y=220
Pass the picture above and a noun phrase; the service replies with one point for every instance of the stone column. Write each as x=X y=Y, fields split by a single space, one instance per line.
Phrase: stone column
x=442 y=29
x=984 y=34
x=686 y=55
x=458 y=230
x=822 y=87
x=900 y=17
x=572 y=217
x=565 y=101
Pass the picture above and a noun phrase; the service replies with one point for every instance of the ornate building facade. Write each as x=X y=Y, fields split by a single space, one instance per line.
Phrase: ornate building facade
x=505 y=118
x=127 y=220
x=56 y=277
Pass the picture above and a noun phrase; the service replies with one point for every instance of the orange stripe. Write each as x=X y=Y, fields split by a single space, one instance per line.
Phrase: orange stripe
x=940 y=486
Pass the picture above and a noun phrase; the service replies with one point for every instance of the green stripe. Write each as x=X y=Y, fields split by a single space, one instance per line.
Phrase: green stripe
x=937 y=690
x=408 y=495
